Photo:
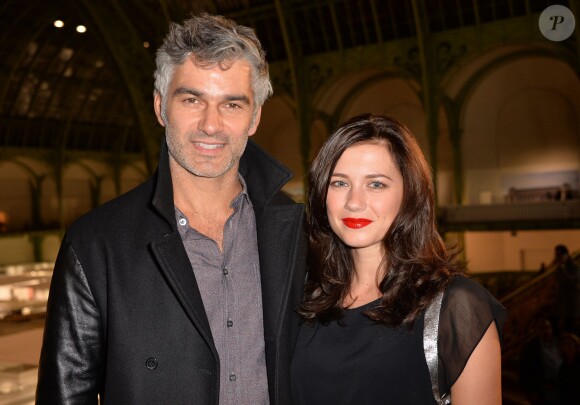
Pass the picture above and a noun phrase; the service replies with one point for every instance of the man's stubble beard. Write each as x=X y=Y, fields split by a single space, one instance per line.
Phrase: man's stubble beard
x=178 y=151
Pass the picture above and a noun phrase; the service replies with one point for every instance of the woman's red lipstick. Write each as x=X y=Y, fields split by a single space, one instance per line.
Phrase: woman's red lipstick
x=356 y=223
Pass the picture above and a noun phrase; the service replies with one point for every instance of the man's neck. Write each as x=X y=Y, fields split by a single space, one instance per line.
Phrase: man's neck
x=202 y=195
x=205 y=201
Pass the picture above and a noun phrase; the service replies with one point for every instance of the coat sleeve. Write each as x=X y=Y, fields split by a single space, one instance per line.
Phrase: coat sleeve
x=71 y=358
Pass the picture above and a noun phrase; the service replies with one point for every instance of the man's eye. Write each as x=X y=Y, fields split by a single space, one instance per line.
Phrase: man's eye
x=233 y=106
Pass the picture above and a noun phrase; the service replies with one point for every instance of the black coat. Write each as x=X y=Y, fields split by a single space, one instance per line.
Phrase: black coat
x=125 y=318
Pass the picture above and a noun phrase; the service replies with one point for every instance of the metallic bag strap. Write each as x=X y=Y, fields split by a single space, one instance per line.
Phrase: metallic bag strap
x=430 y=337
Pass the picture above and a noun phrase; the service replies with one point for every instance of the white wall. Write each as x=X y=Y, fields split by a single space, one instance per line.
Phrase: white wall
x=524 y=250
x=523 y=117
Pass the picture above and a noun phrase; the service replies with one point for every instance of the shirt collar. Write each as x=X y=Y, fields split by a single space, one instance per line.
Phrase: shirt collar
x=243 y=194
x=183 y=222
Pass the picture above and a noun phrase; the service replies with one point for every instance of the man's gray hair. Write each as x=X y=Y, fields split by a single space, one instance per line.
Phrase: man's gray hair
x=212 y=41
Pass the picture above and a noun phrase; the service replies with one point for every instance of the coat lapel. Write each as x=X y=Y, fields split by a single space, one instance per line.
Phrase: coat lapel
x=277 y=245
x=171 y=255
x=277 y=227
x=175 y=265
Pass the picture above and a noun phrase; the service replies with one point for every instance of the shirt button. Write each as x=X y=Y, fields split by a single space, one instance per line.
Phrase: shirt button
x=182 y=221
x=151 y=363
x=225 y=271
x=232 y=377
x=230 y=323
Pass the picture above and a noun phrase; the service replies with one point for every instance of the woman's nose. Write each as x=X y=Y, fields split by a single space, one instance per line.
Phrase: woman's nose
x=355 y=200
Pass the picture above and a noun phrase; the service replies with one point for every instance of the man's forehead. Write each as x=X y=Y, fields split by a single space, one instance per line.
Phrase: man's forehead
x=239 y=68
x=232 y=83
x=222 y=65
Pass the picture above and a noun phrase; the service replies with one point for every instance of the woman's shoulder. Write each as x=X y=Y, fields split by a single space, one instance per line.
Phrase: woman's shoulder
x=463 y=292
x=467 y=311
x=467 y=304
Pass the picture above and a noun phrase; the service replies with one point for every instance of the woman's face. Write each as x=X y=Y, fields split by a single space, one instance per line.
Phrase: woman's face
x=364 y=195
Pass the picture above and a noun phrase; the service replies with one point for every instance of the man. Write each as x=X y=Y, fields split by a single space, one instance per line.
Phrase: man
x=183 y=290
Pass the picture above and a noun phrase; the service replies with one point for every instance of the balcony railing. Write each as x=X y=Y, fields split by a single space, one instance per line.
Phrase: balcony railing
x=511 y=216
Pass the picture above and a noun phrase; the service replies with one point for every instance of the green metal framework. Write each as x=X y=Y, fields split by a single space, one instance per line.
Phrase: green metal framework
x=65 y=96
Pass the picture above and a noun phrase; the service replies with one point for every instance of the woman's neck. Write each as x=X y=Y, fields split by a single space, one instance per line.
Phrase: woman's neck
x=369 y=271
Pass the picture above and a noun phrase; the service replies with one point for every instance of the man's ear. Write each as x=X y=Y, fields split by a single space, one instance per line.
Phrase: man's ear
x=255 y=122
x=157 y=100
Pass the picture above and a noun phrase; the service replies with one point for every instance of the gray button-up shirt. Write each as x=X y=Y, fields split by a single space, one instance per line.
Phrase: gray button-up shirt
x=230 y=287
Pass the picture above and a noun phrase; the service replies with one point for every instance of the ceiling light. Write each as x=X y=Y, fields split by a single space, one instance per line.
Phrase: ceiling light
x=58 y=23
x=81 y=29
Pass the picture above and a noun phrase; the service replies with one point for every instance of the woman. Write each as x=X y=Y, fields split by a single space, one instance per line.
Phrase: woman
x=377 y=265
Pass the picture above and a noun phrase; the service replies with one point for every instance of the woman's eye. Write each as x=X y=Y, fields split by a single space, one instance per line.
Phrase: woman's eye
x=338 y=183
x=377 y=185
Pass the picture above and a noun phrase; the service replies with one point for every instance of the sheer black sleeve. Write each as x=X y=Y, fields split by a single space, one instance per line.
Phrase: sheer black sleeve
x=468 y=309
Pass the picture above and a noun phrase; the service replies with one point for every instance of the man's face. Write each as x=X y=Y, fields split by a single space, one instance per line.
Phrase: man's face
x=208 y=116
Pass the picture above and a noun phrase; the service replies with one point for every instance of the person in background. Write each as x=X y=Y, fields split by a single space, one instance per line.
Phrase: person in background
x=568 y=290
x=183 y=290
x=539 y=364
x=372 y=331
x=569 y=373
x=564 y=193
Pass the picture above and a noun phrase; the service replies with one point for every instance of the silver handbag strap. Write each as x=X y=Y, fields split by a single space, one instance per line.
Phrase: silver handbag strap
x=430 y=337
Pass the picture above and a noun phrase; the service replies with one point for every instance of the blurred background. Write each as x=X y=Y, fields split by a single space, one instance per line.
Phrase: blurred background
x=490 y=88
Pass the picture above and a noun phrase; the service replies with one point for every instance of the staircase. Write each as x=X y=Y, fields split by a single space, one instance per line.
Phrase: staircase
x=523 y=304
x=534 y=296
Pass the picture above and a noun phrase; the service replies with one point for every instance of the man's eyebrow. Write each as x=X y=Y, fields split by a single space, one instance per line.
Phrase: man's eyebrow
x=243 y=98
x=194 y=92
x=185 y=90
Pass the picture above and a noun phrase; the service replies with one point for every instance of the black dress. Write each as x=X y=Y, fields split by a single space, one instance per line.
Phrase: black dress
x=356 y=361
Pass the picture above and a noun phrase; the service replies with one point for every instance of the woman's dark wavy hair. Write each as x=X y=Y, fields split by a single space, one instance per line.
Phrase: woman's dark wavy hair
x=419 y=264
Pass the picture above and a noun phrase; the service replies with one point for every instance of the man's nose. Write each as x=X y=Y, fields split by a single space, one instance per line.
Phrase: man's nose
x=211 y=121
